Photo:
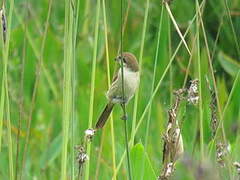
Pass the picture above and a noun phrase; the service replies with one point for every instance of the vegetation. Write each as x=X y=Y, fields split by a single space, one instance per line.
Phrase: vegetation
x=57 y=62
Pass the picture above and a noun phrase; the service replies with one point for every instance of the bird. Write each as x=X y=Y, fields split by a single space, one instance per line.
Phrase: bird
x=131 y=81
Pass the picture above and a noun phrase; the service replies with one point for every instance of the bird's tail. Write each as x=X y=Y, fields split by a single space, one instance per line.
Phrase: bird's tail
x=104 y=116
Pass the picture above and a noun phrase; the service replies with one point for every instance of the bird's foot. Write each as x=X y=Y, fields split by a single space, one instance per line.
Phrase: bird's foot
x=124 y=117
x=119 y=100
x=124 y=101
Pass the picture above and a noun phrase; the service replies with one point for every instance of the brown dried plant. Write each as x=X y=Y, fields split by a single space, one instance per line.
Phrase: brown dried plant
x=237 y=166
x=222 y=149
x=173 y=142
x=82 y=155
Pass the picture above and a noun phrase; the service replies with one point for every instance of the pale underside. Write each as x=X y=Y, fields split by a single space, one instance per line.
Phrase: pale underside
x=131 y=82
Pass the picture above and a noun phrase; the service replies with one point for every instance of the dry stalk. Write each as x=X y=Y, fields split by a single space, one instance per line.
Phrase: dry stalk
x=193 y=95
x=237 y=166
x=82 y=156
x=173 y=142
x=4 y=23
x=222 y=149
x=213 y=108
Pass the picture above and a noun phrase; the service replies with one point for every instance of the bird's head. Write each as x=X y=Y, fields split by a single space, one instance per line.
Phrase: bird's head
x=129 y=61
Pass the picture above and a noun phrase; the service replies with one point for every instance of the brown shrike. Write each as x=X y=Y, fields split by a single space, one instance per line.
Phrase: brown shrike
x=114 y=94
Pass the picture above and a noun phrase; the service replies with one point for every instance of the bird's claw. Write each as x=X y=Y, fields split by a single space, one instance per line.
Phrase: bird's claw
x=119 y=100
x=124 y=117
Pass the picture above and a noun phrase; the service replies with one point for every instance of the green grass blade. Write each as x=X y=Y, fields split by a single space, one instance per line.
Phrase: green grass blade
x=67 y=87
x=152 y=89
x=34 y=94
x=232 y=27
x=2 y=110
x=109 y=83
x=139 y=159
x=9 y=134
x=94 y=62
x=37 y=53
x=140 y=65
x=5 y=53
x=224 y=140
x=177 y=28
x=73 y=118
x=200 y=103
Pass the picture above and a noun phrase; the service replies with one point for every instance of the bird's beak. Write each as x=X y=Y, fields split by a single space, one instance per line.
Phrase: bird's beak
x=117 y=59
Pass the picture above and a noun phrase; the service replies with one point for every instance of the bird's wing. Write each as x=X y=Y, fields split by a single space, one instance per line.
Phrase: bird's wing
x=114 y=89
x=115 y=77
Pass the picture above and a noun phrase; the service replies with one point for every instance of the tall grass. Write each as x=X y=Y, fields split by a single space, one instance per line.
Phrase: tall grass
x=94 y=62
x=3 y=84
x=224 y=138
x=33 y=100
x=109 y=83
x=76 y=7
x=67 y=85
x=236 y=41
x=124 y=117
x=176 y=26
x=140 y=65
x=5 y=91
x=154 y=93
x=152 y=87
x=200 y=83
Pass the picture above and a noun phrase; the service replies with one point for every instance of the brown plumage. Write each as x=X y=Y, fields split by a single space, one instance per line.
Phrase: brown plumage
x=104 y=116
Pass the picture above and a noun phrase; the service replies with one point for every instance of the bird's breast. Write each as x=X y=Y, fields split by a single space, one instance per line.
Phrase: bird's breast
x=131 y=82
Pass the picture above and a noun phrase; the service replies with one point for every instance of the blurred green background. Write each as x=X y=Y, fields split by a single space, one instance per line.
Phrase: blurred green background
x=36 y=90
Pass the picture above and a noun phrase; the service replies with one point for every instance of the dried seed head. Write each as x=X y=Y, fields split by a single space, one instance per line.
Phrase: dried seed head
x=178 y=145
x=81 y=154
x=237 y=166
x=168 y=171
x=193 y=100
x=173 y=142
x=81 y=157
x=89 y=133
x=222 y=151
x=180 y=92
x=193 y=95
x=3 y=23
x=213 y=107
